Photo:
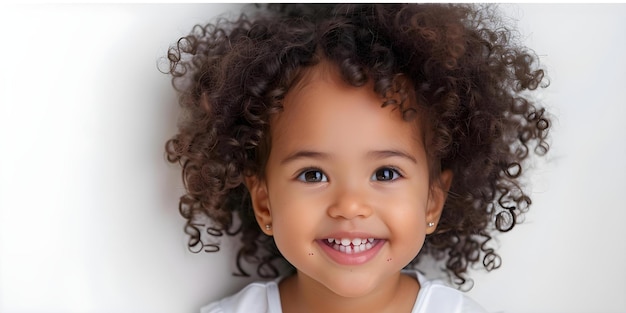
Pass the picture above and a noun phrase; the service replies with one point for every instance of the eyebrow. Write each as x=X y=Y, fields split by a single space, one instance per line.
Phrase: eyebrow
x=304 y=154
x=375 y=154
x=383 y=154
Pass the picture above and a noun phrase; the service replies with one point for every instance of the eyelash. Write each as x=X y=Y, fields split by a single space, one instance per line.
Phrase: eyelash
x=395 y=175
x=302 y=175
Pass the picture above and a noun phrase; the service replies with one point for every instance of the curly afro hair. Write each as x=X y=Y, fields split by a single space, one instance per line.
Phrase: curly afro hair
x=470 y=76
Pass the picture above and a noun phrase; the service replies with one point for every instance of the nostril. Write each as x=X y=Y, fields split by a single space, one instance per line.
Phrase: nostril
x=349 y=209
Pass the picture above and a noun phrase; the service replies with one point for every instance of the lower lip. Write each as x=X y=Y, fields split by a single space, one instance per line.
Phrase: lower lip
x=354 y=258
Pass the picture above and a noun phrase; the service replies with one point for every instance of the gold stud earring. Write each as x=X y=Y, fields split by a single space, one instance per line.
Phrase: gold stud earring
x=431 y=224
x=268 y=227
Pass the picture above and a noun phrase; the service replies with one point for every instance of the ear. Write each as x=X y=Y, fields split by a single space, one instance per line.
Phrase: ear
x=438 y=195
x=260 y=203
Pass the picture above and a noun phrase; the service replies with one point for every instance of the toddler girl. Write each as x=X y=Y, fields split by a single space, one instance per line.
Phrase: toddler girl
x=351 y=140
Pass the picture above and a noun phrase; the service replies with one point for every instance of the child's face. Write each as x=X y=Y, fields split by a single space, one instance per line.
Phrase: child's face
x=342 y=167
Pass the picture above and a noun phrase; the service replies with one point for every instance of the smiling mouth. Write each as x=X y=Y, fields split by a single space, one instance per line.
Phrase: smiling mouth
x=351 y=246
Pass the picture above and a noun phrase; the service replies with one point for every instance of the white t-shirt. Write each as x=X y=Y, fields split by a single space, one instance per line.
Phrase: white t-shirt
x=263 y=297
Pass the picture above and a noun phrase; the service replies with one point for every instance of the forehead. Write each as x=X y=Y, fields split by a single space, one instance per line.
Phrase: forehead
x=323 y=108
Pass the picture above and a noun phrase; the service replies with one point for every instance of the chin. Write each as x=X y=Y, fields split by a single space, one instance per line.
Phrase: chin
x=352 y=288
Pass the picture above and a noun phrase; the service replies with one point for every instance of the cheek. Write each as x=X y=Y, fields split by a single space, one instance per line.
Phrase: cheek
x=294 y=235
x=406 y=205
x=410 y=238
x=294 y=220
x=409 y=225
x=406 y=218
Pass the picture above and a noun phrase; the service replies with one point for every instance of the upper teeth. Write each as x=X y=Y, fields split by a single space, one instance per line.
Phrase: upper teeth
x=347 y=241
x=349 y=246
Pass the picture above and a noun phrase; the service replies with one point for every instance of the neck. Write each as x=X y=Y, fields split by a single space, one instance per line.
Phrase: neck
x=302 y=294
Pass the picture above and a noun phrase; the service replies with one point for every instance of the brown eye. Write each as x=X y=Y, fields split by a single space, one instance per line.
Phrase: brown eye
x=386 y=174
x=312 y=176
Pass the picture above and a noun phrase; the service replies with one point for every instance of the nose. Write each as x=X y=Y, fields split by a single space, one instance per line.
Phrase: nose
x=349 y=204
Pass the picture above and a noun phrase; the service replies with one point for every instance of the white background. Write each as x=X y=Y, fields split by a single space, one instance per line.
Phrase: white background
x=88 y=204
